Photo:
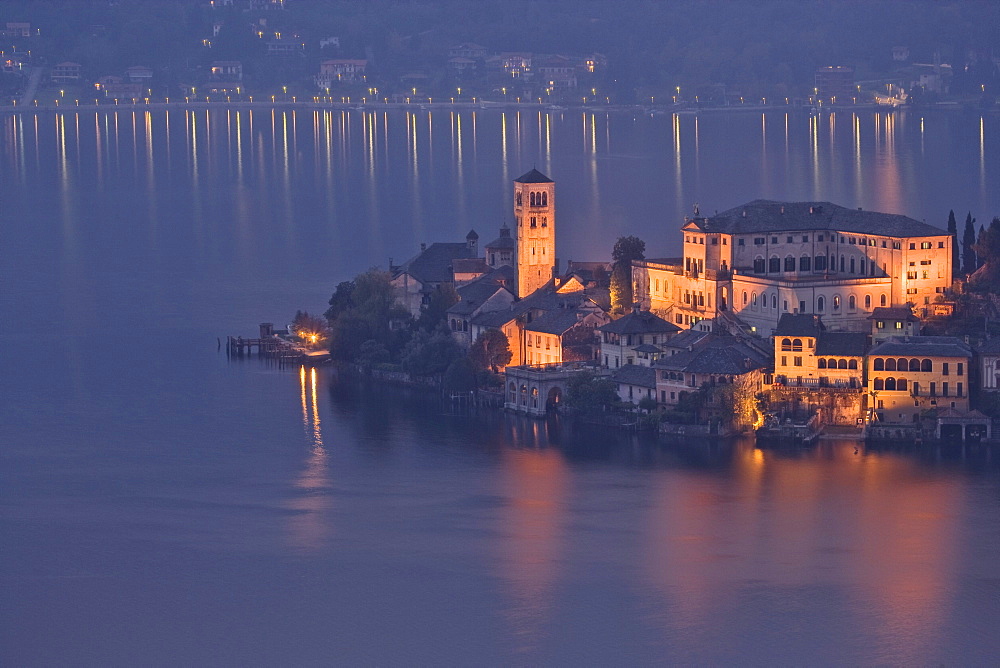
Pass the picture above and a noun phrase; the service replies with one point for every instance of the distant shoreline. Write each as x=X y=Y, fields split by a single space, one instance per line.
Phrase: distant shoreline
x=655 y=110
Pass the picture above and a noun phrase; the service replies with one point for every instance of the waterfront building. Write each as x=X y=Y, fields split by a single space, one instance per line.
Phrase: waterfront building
x=634 y=339
x=635 y=383
x=763 y=259
x=909 y=376
x=806 y=355
x=487 y=294
x=535 y=216
x=431 y=269
x=714 y=362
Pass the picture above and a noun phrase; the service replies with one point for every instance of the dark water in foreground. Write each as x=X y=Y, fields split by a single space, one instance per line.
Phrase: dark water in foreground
x=161 y=505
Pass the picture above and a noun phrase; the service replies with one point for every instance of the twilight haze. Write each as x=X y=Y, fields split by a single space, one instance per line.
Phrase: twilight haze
x=593 y=333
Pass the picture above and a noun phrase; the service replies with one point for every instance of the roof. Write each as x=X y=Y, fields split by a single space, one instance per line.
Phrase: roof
x=504 y=241
x=472 y=235
x=989 y=346
x=799 y=324
x=721 y=355
x=893 y=313
x=842 y=344
x=770 y=216
x=434 y=263
x=473 y=295
x=635 y=374
x=554 y=322
x=921 y=346
x=469 y=265
x=639 y=322
x=534 y=176
x=687 y=338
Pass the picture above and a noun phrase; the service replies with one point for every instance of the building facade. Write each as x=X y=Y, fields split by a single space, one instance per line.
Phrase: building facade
x=535 y=216
x=764 y=259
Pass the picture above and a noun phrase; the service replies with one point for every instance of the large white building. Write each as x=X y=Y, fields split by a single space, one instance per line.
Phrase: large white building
x=767 y=258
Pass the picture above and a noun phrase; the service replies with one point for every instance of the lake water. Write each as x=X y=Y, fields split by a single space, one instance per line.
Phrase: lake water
x=161 y=505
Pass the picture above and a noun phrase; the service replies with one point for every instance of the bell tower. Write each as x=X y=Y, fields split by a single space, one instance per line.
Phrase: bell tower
x=535 y=219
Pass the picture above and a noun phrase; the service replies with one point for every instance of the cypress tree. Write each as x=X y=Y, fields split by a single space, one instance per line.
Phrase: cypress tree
x=980 y=259
x=956 y=257
x=968 y=241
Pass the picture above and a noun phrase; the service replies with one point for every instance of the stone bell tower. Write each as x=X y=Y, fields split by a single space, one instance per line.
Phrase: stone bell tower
x=535 y=219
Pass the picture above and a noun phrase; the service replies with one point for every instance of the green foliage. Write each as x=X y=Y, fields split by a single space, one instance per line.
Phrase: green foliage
x=366 y=311
x=372 y=354
x=490 y=350
x=969 y=261
x=340 y=301
x=435 y=312
x=460 y=376
x=987 y=249
x=956 y=256
x=625 y=250
x=586 y=392
x=647 y=404
x=430 y=353
x=311 y=329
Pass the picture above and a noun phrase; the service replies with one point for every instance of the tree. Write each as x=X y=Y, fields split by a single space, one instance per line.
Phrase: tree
x=435 y=311
x=312 y=329
x=956 y=257
x=430 y=353
x=491 y=350
x=460 y=376
x=988 y=251
x=969 y=262
x=340 y=301
x=366 y=309
x=587 y=393
x=625 y=250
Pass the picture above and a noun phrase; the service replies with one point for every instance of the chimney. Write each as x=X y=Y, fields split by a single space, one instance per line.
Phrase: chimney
x=423 y=247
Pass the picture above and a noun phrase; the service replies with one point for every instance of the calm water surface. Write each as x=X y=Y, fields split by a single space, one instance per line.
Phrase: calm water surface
x=161 y=505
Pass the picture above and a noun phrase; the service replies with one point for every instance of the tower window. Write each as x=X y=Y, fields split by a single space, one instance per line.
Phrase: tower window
x=545 y=221
x=534 y=221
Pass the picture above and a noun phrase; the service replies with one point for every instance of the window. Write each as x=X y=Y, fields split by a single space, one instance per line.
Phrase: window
x=868 y=301
x=881 y=300
x=911 y=275
x=890 y=364
x=933 y=389
x=786 y=344
x=789 y=263
x=836 y=302
x=959 y=390
x=842 y=364
x=819 y=237
x=797 y=361
x=925 y=262
x=872 y=242
x=961 y=369
x=914 y=365
x=880 y=324
x=926 y=366
x=916 y=389
x=913 y=246
x=802 y=306
x=852 y=302
x=879 y=384
x=944 y=389
x=878 y=364
x=739 y=242
x=820 y=304
x=901 y=384
x=774 y=265
x=715 y=241
x=940 y=244
x=796 y=345
x=805 y=238
x=804 y=263
x=545 y=221
x=774 y=302
x=819 y=262
x=784 y=360
x=852 y=265
x=944 y=370
x=852 y=364
x=757 y=241
x=774 y=240
x=744 y=298
x=758 y=265
x=925 y=245
x=534 y=221
x=890 y=384
x=821 y=364
x=788 y=239
x=753 y=300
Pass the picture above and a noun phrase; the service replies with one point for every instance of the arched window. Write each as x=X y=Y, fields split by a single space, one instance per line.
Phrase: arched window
x=902 y=365
x=879 y=384
x=841 y=264
x=925 y=365
x=852 y=302
x=753 y=300
x=914 y=365
x=805 y=263
x=534 y=397
x=774 y=265
x=881 y=300
x=545 y=199
x=821 y=363
x=774 y=302
x=833 y=262
x=890 y=364
x=852 y=364
x=759 y=265
x=901 y=384
x=842 y=364
x=531 y=199
x=453 y=326
x=789 y=263
x=868 y=301
x=786 y=344
x=831 y=364
x=465 y=325
x=519 y=199
x=820 y=304
x=836 y=302
x=744 y=297
x=763 y=301
x=796 y=345
x=879 y=364
x=890 y=383
x=524 y=395
x=852 y=265
x=512 y=387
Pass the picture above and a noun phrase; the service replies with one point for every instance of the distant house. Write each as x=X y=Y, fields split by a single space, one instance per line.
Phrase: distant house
x=12 y=64
x=65 y=72
x=285 y=47
x=635 y=382
x=900 y=53
x=139 y=74
x=487 y=294
x=890 y=321
x=557 y=72
x=635 y=339
x=417 y=278
x=835 y=83
x=227 y=70
x=329 y=42
x=217 y=28
x=17 y=29
x=461 y=65
x=342 y=70
x=715 y=362
x=516 y=65
x=467 y=50
x=114 y=87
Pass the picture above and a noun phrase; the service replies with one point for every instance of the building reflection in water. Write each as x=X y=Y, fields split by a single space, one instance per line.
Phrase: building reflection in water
x=782 y=530
x=532 y=537
x=309 y=527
